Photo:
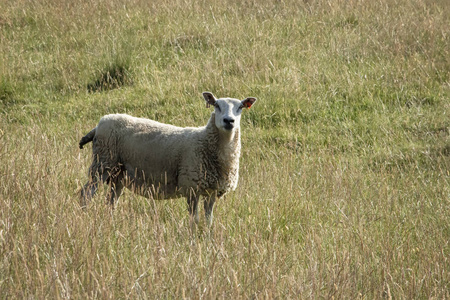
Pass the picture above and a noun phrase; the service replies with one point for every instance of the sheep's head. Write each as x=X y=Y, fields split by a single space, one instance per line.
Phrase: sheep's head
x=228 y=110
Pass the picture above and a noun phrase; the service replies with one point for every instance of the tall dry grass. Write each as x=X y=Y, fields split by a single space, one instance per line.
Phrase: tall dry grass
x=344 y=188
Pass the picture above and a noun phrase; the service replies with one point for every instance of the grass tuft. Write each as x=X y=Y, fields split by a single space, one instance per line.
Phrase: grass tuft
x=6 y=92
x=112 y=77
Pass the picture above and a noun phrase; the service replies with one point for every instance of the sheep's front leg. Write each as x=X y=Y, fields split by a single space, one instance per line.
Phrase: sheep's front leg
x=192 y=201
x=193 y=211
x=209 y=206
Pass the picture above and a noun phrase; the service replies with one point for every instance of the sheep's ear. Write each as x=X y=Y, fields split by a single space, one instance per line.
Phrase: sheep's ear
x=248 y=102
x=209 y=98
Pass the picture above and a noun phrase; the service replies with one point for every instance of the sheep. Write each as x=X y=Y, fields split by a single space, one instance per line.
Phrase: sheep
x=162 y=161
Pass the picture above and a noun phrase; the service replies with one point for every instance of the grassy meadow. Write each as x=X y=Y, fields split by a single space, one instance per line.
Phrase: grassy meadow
x=344 y=190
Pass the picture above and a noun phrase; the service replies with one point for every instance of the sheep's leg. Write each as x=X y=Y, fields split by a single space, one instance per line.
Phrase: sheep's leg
x=193 y=211
x=90 y=188
x=209 y=206
x=97 y=175
x=88 y=191
x=115 y=192
x=192 y=201
x=115 y=180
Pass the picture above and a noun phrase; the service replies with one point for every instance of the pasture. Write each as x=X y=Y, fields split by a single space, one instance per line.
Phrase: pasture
x=344 y=188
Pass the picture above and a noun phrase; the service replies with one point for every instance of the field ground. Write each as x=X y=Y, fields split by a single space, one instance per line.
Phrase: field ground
x=344 y=188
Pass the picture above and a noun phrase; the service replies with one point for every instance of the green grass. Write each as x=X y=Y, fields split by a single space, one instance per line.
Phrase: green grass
x=344 y=189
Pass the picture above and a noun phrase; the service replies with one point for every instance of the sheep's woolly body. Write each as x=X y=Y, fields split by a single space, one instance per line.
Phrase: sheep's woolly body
x=166 y=161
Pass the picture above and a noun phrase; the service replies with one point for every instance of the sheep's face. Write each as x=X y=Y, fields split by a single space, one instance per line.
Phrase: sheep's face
x=228 y=110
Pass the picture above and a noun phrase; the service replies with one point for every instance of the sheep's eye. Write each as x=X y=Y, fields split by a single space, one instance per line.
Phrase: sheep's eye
x=240 y=107
x=217 y=106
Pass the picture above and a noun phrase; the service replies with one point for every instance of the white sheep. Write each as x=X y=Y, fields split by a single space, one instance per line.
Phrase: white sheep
x=164 y=161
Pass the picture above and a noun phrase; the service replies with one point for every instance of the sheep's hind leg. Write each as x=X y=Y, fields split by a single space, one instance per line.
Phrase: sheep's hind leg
x=91 y=187
x=115 y=191
x=87 y=192
x=96 y=176
x=115 y=180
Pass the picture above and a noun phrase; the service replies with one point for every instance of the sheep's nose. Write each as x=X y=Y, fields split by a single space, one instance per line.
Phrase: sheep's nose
x=229 y=123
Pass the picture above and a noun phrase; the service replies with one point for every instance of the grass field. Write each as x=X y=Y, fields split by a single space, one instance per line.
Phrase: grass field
x=345 y=172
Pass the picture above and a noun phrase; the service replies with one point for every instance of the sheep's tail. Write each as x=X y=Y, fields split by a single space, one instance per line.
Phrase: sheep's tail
x=87 y=138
